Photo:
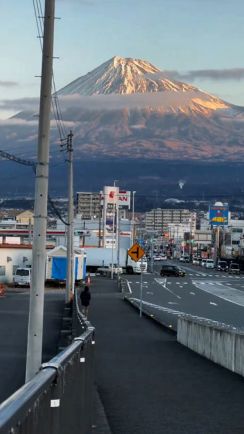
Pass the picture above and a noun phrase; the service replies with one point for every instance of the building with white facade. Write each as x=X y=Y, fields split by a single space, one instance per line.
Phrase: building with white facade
x=159 y=219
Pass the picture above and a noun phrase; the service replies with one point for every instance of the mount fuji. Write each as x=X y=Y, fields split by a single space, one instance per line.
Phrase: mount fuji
x=132 y=121
x=128 y=108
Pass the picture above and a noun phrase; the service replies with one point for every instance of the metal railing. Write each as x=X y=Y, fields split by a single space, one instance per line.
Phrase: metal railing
x=58 y=400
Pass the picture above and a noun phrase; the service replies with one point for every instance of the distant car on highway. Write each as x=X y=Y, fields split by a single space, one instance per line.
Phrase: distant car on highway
x=163 y=257
x=234 y=268
x=222 y=266
x=171 y=270
x=157 y=258
x=185 y=258
x=209 y=263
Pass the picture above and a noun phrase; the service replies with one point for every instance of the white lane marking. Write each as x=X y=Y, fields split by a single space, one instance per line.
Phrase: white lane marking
x=172 y=302
x=163 y=283
x=231 y=295
x=180 y=286
x=150 y=293
x=212 y=303
x=185 y=283
x=174 y=312
x=129 y=287
x=192 y=293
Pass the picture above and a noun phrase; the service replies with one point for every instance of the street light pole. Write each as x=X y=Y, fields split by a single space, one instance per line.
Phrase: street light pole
x=35 y=325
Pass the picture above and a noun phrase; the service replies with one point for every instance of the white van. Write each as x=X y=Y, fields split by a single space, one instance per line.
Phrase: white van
x=209 y=263
x=22 y=277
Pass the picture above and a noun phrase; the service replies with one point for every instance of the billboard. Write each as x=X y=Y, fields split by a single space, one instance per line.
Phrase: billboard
x=218 y=215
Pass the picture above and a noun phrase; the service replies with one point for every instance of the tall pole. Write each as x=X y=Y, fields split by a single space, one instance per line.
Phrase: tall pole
x=70 y=235
x=115 y=210
x=112 y=268
x=35 y=325
x=133 y=218
x=118 y=233
x=141 y=292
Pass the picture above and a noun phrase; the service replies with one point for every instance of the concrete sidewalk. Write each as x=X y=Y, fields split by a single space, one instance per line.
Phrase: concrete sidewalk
x=150 y=384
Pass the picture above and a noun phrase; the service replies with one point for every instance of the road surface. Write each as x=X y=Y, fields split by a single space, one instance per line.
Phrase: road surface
x=203 y=293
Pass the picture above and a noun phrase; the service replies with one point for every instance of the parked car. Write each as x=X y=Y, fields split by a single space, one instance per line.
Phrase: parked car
x=171 y=270
x=203 y=262
x=222 y=266
x=22 y=277
x=209 y=263
x=196 y=261
x=234 y=268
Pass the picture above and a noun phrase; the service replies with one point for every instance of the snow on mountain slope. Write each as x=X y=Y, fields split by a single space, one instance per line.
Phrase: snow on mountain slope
x=122 y=76
x=134 y=79
x=127 y=108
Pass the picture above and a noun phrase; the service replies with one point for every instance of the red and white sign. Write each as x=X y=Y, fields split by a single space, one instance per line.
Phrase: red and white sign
x=112 y=195
x=124 y=199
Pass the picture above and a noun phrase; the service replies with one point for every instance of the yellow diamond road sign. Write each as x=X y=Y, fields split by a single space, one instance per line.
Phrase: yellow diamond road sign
x=136 y=252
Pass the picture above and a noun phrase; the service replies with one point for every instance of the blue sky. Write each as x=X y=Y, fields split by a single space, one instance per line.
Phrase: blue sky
x=204 y=36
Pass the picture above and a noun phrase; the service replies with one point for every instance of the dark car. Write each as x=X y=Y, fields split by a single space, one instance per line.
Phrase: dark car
x=222 y=266
x=171 y=270
x=234 y=268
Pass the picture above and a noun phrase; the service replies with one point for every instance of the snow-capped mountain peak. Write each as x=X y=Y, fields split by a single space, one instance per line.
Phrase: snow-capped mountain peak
x=123 y=76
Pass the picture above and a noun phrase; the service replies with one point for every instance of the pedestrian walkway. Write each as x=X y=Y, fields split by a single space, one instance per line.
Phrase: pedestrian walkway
x=149 y=383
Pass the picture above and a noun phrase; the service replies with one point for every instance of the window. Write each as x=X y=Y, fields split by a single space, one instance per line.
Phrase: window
x=2 y=270
x=237 y=231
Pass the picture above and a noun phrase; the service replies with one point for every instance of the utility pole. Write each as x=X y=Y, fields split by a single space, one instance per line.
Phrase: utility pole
x=118 y=234
x=133 y=218
x=35 y=325
x=70 y=234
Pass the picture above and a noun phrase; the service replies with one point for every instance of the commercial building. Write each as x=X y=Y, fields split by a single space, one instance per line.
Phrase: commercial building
x=88 y=204
x=159 y=219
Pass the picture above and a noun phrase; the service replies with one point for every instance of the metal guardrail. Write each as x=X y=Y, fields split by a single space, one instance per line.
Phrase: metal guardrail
x=58 y=400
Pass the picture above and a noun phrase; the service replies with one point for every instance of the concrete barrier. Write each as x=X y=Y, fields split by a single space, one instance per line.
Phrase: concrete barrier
x=222 y=344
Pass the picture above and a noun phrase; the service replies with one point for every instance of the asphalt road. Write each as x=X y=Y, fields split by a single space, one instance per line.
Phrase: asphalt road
x=203 y=293
x=149 y=383
x=13 y=335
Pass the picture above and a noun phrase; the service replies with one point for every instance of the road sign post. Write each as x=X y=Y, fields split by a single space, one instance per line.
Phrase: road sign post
x=136 y=252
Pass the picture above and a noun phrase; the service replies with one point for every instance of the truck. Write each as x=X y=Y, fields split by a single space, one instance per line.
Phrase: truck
x=102 y=257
